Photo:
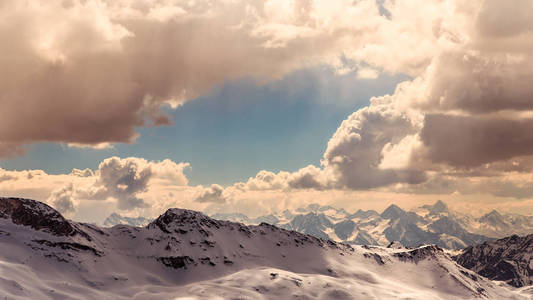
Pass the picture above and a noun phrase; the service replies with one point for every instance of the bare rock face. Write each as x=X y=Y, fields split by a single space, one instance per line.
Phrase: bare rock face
x=182 y=220
x=507 y=259
x=37 y=215
x=419 y=254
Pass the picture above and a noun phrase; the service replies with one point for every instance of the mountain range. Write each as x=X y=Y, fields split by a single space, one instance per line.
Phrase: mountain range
x=428 y=224
x=185 y=254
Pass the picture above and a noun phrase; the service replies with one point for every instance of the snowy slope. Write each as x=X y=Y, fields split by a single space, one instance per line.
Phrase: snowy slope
x=187 y=254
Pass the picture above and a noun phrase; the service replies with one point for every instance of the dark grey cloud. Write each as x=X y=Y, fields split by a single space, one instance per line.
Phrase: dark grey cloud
x=469 y=141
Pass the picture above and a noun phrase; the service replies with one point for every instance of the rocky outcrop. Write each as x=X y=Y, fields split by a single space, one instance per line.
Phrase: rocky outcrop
x=507 y=259
x=38 y=216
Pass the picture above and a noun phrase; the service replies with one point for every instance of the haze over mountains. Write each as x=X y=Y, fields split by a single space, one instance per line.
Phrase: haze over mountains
x=428 y=224
x=185 y=253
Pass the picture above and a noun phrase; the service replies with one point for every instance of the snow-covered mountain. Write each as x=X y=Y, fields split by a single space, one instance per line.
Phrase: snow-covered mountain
x=429 y=224
x=116 y=219
x=186 y=254
x=497 y=225
x=507 y=259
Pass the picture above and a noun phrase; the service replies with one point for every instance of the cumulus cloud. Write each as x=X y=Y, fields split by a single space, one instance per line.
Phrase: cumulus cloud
x=467 y=114
x=124 y=179
x=61 y=200
x=462 y=124
x=212 y=194
x=131 y=185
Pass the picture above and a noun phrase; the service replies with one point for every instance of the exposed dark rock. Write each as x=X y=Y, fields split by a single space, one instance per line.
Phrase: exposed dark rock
x=176 y=262
x=376 y=257
x=38 y=216
x=507 y=259
x=69 y=246
x=419 y=254
x=207 y=260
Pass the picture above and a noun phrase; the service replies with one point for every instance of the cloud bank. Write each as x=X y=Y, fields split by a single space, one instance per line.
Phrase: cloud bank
x=93 y=71
x=100 y=69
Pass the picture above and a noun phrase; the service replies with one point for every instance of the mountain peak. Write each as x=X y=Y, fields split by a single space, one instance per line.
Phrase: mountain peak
x=495 y=219
x=37 y=215
x=177 y=218
x=494 y=213
x=393 y=212
x=438 y=207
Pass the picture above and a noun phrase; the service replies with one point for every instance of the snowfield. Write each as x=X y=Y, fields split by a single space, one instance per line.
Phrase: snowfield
x=186 y=255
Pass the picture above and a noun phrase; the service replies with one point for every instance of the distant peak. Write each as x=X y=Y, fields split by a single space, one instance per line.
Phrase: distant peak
x=393 y=208
x=439 y=207
x=392 y=212
x=493 y=213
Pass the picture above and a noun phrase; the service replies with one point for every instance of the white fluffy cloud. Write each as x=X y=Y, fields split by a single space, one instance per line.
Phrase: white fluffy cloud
x=213 y=194
x=461 y=125
x=124 y=184
x=62 y=199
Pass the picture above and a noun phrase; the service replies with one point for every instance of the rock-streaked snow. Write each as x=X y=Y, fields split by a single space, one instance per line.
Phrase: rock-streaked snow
x=185 y=254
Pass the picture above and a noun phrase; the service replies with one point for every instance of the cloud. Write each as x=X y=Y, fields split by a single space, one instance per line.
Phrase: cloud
x=354 y=153
x=8 y=150
x=93 y=71
x=130 y=185
x=212 y=194
x=61 y=200
x=125 y=179
x=460 y=125
x=466 y=114
x=82 y=173
x=122 y=179
x=470 y=141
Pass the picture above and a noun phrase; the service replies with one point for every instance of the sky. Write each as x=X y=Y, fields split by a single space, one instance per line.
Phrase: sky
x=135 y=106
